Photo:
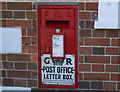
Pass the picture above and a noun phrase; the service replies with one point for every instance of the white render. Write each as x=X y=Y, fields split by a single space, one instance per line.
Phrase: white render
x=10 y=40
x=108 y=15
x=14 y=89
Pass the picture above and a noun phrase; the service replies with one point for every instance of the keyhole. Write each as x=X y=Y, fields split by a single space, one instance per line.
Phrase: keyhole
x=45 y=48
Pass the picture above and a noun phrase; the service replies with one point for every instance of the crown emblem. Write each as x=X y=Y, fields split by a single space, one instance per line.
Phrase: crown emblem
x=58 y=61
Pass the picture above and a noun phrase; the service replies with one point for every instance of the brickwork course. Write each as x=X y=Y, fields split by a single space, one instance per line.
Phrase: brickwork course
x=99 y=60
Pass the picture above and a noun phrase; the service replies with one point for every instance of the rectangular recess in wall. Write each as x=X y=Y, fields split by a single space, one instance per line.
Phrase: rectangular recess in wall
x=10 y=40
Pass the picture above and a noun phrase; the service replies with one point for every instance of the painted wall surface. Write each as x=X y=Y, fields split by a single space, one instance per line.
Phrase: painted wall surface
x=15 y=89
x=11 y=40
x=108 y=13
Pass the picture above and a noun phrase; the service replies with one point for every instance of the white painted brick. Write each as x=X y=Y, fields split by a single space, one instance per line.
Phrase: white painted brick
x=15 y=89
x=10 y=40
x=108 y=15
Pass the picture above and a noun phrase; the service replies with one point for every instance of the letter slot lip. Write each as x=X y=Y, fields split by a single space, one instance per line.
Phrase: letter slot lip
x=58 y=23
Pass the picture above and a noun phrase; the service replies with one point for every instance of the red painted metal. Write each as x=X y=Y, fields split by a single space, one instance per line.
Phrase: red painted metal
x=64 y=17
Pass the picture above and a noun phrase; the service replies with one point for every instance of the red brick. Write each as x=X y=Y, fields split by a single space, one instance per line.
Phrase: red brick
x=111 y=68
x=21 y=66
x=98 y=33
x=0 y=9
x=118 y=85
x=23 y=32
x=81 y=41
x=19 y=74
x=34 y=7
x=6 y=14
x=118 y=68
x=97 y=59
x=115 y=60
x=115 y=42
x=110 y=85
x=34 y=40
x=32 y=83
x=20 y=83
x=97 y=42
x=0 y=57
x=32 y=49
x=85 y=33
x=34 y=58
x=90 y=24
x=84 y=67
x=112 y=51
x=111 y=33
x=0 y=76
x=19 y=57
x=3 y=56
x=80 y=76
x=32 y=66
x=3 y=6
x=7 y=65
x=31 y=15
x=32 y=32
x=115 y=77
x=34 y=23
x=3 y=73
x=85 y=50
x=81 y=6
x=80 y=59
x=0 y=64
x=8 y=82
x=98 y=51
x=85 y=15
x=96 y=76
x=82 y=24
x=19 y=5
x=19 y=23
x=26 y=40
x=19 y=14
x=24 y=49
x=92 y=6
x=94 y=15
x=34 y=75
x=3 y=23
x=98 y=68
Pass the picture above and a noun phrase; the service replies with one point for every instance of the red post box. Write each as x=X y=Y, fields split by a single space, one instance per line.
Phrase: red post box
x=58 y=44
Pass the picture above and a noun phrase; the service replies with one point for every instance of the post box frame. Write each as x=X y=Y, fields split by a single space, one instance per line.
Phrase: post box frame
x=77 y=50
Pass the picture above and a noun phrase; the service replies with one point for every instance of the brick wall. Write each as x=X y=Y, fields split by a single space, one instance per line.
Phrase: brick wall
x=99 y=66
x=99 y=49
x=21 y=69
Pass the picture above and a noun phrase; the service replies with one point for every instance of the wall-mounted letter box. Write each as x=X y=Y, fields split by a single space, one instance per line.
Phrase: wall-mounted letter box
x=58 y=44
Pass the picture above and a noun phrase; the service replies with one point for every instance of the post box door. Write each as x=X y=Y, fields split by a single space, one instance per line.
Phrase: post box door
x=45 y=41
x=70 y=41
x=48 y=69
